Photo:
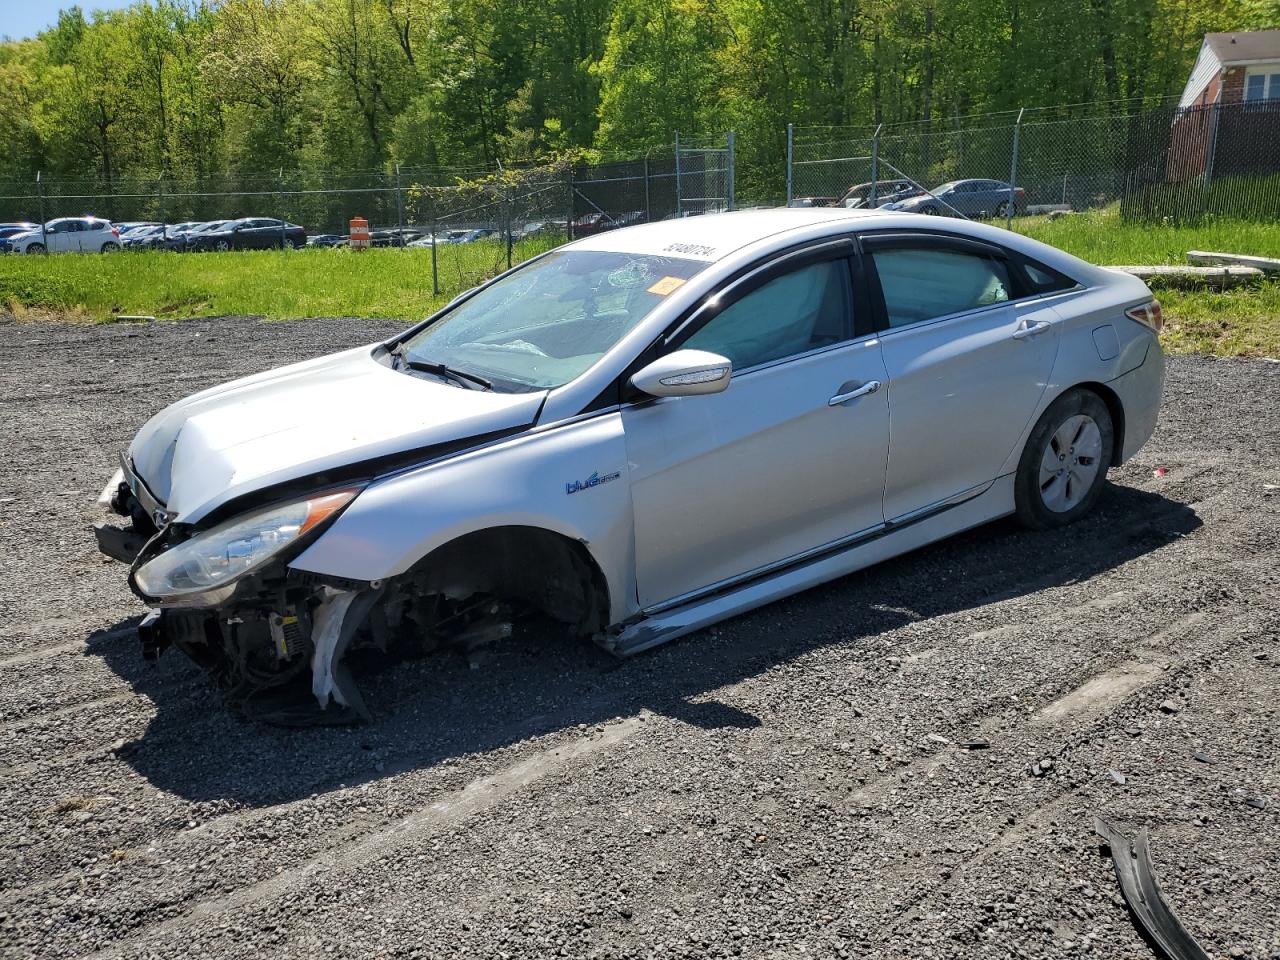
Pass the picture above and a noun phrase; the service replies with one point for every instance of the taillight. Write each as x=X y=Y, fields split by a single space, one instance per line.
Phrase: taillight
x=115 y=231
x=1148 y=314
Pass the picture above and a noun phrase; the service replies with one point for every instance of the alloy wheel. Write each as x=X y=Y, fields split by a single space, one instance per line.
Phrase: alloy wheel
x=1070 y=462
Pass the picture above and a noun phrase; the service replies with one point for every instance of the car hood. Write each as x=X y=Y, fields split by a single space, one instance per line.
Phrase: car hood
x=332 y=412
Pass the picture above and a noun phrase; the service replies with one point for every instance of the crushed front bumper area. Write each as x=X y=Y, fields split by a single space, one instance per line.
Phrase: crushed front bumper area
x=263 y=656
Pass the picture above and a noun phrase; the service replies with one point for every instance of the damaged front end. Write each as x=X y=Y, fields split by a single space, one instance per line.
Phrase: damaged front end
x=225 y=596
x=276 y=638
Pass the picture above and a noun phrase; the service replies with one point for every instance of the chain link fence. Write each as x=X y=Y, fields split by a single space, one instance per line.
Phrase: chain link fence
x=475 y=222
x=1161 y=163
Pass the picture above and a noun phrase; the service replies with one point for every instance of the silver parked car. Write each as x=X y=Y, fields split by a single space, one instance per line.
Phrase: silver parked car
x=637 y=434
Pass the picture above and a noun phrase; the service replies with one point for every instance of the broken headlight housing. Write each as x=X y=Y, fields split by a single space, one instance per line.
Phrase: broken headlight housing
x=216 y=558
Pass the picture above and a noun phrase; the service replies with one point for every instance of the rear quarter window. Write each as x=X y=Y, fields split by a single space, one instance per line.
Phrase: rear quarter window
x=1042 y=279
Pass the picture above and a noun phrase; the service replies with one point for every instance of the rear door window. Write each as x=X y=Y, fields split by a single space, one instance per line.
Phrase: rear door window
x=927 y=282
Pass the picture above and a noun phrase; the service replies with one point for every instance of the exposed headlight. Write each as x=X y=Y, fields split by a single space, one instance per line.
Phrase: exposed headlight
x=219 y=557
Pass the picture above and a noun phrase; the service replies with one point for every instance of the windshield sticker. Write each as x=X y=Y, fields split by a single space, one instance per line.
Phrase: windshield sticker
x=667 y=285
x=632 y=275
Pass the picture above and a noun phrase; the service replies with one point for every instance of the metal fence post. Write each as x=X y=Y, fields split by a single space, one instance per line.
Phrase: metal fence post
x=399 y=210
x=730 y=186
x=679 y=205
x=511 y=205
x=1013 y=173
x=648 y=212
x=44 y=236
x=435 y=275
x=568 y=223
x=1211 y=151
x=280 y=202
x=791 y=137
x=875 y=165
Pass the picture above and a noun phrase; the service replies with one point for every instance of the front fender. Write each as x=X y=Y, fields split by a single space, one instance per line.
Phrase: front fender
x=539 y=479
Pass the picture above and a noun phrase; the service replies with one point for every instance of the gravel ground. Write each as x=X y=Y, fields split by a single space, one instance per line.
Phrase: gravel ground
x=792 y=783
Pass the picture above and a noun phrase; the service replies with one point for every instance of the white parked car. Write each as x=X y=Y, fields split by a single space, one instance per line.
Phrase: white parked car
x=637 y=434
x=69 y=235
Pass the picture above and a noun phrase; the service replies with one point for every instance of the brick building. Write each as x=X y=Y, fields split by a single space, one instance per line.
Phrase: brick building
x=1228 y=119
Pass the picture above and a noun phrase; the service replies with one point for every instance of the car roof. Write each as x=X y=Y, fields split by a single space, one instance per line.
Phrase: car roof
x=734 y=239
x=714 y=236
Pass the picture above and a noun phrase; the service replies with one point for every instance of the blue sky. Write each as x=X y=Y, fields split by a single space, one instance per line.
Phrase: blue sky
x=25 y=18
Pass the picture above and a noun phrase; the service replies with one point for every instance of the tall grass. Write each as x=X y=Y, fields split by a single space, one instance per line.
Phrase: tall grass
x=276 y=284
x=1103 y=236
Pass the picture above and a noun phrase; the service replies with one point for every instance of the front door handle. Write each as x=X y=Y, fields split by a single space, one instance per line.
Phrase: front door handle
x=871 y=386
x=1028 y=330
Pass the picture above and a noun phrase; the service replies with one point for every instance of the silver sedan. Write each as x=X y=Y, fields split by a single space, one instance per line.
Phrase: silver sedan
x=638 y=434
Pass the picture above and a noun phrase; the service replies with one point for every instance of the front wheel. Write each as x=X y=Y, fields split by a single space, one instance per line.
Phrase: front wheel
x=1064 y=464
x=35 y=248
x=222 y=246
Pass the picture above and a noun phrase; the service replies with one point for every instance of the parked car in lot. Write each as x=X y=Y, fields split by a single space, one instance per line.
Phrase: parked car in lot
x=638 y=435
x=184 y=240
x=327 y=240
x=248 y=233
x=128 y=226
x=887 y=191
x=466 y=236
x=8 y=230
x=143 y=238
x=600 y=221
x=171 y=236
x=68 y=235
x=972 y=198
x=812 y=202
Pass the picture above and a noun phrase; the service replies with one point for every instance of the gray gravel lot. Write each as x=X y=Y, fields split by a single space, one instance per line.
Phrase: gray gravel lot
x=792 y=783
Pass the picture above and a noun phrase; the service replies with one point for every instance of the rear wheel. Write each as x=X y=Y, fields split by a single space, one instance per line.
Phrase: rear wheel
x=930 y=210
x=1064 y=464
x=110 y=247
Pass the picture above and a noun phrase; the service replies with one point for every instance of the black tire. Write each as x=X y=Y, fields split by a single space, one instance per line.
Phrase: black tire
x=222 y=246
x=35 y=248
x=930 y=210
x=109 y=247
x=1003 y=210
x=1030 y=495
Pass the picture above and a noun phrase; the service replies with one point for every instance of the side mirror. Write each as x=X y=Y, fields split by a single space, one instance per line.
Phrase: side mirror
x=684 y=373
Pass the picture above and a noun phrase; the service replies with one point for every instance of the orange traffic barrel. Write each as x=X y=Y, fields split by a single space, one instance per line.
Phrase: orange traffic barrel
x=359 y=233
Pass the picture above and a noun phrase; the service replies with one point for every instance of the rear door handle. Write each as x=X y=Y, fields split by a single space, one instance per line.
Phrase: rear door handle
x=871 y=386
x=1028 y=330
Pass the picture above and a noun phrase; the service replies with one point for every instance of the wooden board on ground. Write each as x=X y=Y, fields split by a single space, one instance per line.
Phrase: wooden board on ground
x=1173 y=275
x=1265 y=264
